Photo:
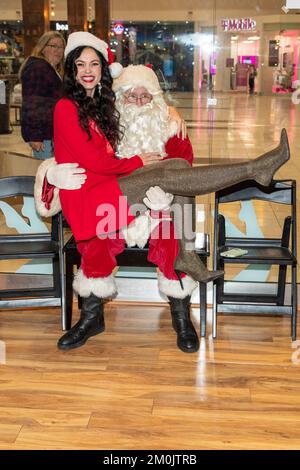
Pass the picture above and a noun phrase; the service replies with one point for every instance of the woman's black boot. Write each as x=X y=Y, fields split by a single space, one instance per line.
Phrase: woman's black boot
x=91 y=323
x=187 y=339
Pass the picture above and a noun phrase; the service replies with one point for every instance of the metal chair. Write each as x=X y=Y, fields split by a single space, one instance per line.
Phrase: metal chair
x=32 y=246
x=260 y=251
x=135 y=257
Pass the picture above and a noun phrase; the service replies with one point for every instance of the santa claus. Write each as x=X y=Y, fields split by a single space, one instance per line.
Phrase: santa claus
x=147 y=128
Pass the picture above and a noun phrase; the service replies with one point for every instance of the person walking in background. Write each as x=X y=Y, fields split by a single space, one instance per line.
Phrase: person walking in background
x=251 y=79
x=41 y=79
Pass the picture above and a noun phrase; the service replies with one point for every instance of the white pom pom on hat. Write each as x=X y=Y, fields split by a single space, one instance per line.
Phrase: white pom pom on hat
x=84 y=38
x=115 y=69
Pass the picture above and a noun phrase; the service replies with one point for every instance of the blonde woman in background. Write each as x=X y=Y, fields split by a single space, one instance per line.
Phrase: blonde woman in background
x=41 y=79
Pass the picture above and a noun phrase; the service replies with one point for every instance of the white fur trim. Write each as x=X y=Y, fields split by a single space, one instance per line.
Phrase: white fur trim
x=84 y=38
x=115 y=69
x=138 y=232
x=102 y=287
x=135 y=76
x=172 y=288
x=38 y=189
x=172 y=128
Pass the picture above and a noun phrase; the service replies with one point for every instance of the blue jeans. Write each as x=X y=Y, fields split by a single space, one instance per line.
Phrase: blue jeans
x=46 y=153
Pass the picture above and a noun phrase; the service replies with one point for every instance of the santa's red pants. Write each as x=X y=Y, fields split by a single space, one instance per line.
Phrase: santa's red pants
x=98 y=256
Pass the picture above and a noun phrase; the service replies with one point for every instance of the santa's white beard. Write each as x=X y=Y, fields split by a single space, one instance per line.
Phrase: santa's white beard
x=145 y=127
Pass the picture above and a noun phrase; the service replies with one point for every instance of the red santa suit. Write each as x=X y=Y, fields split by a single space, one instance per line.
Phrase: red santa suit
x=98 y=250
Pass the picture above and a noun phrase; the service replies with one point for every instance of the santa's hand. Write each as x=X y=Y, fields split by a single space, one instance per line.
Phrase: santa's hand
x=181 y=124
x=157 y=199
x=151 y=157
x=66 y=176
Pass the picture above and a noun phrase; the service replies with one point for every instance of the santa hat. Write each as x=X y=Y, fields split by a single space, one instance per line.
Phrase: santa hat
x=83 y=38
x=135 y=76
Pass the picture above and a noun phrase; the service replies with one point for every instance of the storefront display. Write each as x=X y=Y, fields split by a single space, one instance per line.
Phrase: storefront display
x=167 y=46
x=286 y=49
x=11 y=49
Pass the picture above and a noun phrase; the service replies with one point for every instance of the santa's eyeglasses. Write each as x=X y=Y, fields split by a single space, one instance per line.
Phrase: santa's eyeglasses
x=144 y=98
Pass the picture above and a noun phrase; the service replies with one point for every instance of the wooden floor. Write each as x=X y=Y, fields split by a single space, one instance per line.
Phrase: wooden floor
x=131 y=388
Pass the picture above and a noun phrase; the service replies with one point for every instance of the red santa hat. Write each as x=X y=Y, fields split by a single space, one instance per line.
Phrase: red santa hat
x=135 y=76
x=84 y=38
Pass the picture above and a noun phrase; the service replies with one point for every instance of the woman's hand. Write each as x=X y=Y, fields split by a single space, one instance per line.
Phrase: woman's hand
x=37 y=146
x=181 y=124
x=151 y=157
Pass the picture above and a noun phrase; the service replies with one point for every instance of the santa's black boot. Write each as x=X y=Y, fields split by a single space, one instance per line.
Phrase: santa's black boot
x=91 y=323
x=187 y=339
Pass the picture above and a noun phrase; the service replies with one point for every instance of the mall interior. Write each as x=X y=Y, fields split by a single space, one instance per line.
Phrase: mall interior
x=231 y=68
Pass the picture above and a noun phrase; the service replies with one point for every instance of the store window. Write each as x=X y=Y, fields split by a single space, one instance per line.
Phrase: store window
x=11 y=47
x=164 y=45
x=284 y=49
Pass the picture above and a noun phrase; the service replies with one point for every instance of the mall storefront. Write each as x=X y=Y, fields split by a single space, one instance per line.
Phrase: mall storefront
x=160 y=44
x=237 y=46
x=193 y=55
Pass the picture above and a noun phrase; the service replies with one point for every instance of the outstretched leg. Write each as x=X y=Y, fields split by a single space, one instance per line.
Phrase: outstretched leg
x=204 y=179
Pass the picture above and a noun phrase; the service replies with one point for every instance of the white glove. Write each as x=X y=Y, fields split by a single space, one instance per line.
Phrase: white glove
x=157 y=199
x=66 y=176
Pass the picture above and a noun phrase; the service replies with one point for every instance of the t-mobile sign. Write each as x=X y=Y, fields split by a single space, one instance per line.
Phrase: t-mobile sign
x=238 y=24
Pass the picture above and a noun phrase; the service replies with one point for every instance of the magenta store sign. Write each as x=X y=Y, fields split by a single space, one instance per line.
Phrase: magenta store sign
x=238 y=24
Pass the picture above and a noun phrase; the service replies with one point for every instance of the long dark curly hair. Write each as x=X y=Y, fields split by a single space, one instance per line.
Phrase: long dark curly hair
x=101 y=107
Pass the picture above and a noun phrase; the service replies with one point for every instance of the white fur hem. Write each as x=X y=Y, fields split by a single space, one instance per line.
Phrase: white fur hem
x=102 y=287
x=55 y=206
x=138 y=232
x=172 y=128
x=172 y=288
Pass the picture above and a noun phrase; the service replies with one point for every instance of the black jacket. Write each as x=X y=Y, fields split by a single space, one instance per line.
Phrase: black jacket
x=41 y=89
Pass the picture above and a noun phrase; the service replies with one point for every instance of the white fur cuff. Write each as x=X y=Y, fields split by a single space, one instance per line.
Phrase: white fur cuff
x=138 y=232
x=102 y=287
x=172 y=128
x=172 y=288
x=55 y=206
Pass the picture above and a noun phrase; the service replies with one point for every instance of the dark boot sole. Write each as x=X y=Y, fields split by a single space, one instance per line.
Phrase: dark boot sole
x=80 y=343
x=188 y=350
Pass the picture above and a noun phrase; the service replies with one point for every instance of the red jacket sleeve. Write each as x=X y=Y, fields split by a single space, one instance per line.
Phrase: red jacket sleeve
x=179 y=148
x=72 y=145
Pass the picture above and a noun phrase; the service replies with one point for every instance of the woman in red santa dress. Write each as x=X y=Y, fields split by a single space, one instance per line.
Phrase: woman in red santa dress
x=86 y=131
